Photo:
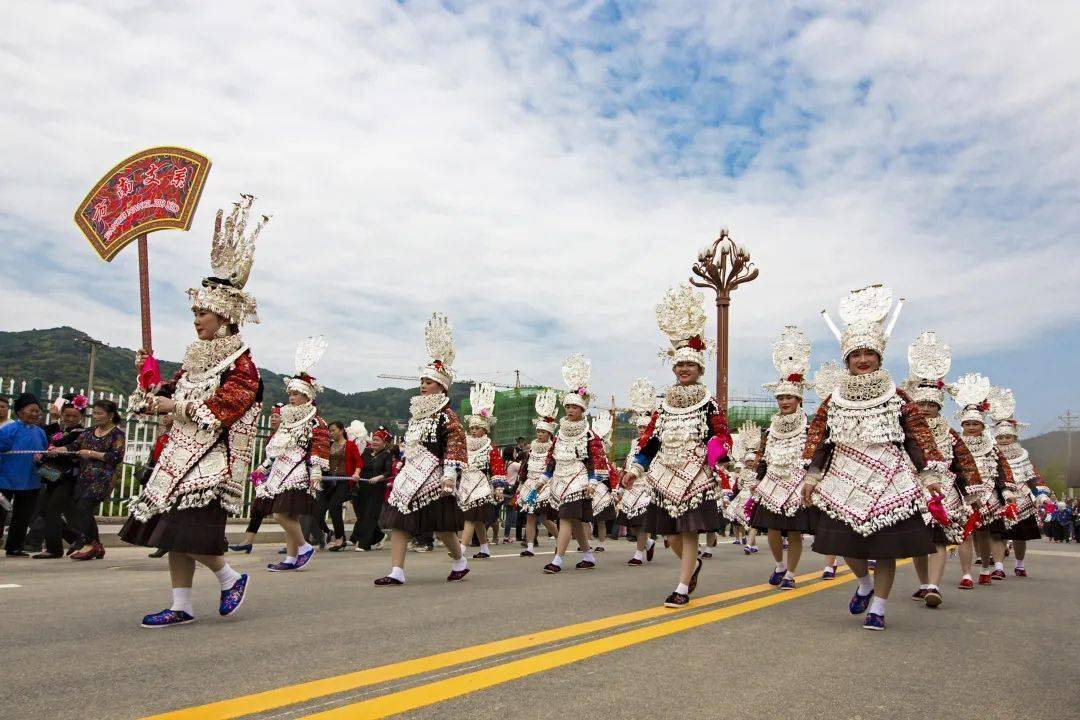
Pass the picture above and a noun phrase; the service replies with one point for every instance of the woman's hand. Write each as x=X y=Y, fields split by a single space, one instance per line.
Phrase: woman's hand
x=86 y=454
x=140 y=358
x=808 y=495
x=164 y=406
x=53 y=450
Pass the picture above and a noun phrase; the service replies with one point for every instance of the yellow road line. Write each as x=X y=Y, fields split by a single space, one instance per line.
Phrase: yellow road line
x=292 y=694
x=441 y=690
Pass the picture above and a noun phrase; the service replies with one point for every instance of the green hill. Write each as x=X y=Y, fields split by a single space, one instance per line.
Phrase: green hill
x=61 y=356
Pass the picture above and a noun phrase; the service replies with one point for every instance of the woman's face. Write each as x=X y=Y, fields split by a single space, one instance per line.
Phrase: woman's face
x=336 y=433
x=430 y=387
x=71 y=416
x=972 y=427
x=574 y=412
x=687 y=373
x=298 y=398
x=376 y=443
x=1005 y=440
x=863 y=361
x=787 y=404
x=31 y=414
x=100 y=416
x=543 y=435
x=275 y=420
x=929 y=408
x=207 y=324
x=477 y=432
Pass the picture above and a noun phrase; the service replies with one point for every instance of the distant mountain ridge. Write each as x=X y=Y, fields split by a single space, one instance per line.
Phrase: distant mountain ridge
x=61 y=356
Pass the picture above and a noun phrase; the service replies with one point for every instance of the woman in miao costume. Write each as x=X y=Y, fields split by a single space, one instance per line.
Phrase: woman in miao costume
x=777 y=495
x=603 y=501
x=423 y=497
x=871 y=457
x=215 y=399
x=1023 y=525
x=484 y=477
x=686 y=440
x=633 y=504
x=576 y=464
x=299 y=452
x=746 y=449
x=534 y=492
x=972 y=392
x=929 y=362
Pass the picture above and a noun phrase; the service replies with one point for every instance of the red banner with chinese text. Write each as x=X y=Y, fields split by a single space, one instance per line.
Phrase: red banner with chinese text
x=155 y=189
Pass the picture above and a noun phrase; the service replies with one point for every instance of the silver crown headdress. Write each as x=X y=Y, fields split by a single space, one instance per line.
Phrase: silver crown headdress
x=439 y=338
x=929 y=362
x=547 y=404
x=863 y=312
x=232 y=253
x=482 y=404
x=643 y=400
x=1002 y=404
x=827 y=378
x=749 y=438
x=309 y=352
x=791 y=358
x=970 y=392
x=681 y=316
x=576 y=372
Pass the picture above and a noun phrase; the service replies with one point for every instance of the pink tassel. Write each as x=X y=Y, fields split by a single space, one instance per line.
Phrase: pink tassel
x=748 y=508
x=258 y=477
x=715 y=451
x=937 y=510
x=150 y=373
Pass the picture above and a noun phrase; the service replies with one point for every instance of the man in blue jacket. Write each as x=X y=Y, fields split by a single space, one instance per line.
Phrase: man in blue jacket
x=21 y=444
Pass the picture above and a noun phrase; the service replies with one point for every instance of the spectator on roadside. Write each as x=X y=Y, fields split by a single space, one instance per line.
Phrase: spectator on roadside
x=101 y=452
x=1064 y=517
x=58 y=475
x=344 y=462
x=376 y=468
x=25 y=440
x=5 y=411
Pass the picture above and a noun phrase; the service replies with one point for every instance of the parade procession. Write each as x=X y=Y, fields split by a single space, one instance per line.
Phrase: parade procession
x=475 y=358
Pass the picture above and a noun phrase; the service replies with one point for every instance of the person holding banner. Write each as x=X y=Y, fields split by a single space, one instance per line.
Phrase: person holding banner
x=215 y=399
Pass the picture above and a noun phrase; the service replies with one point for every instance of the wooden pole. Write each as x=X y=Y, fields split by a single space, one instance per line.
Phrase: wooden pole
x=144 y=294
x=723 y=303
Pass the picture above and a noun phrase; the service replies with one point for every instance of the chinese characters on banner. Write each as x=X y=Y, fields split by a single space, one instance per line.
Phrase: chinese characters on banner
x=155 y=189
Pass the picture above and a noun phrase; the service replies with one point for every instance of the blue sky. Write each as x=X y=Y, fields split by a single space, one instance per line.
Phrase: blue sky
x=541 y=172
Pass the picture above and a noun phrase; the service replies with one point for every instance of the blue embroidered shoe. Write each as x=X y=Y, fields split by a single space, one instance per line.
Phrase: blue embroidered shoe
x=874 y=622
x=776 y=577
x=787 y=584
x=859 y=603
x=165 y=618
x=303 y=558
x=281 y=567
x=233 y=598
x=242 y=548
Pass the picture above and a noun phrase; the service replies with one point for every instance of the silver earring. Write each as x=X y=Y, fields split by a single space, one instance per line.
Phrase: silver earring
x=222 y=331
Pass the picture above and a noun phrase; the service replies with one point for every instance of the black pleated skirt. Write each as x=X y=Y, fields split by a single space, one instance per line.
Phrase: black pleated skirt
x=704 y=518
x=996 y=528
x=442 y=515
x=198 y=531
x=1026 y=529
x=907 y=538
x=576 y=510
x=293 y=503
x=634 y=522
x=605 y=515
x=804 y=520
x=481 y=513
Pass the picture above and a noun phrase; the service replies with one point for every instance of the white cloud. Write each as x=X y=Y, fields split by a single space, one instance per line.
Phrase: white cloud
x=519 y=173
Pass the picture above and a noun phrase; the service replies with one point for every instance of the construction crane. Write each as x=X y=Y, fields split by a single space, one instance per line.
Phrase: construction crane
x=389 y=376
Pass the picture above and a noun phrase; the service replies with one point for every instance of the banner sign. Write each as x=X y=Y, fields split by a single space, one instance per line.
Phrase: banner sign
x=156 y=189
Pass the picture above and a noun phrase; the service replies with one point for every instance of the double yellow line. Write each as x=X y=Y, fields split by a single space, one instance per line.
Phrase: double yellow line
x=441 y=690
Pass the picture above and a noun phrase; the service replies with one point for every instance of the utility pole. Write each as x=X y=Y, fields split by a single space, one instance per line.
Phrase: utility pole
x=517 y=379
x=1068 y=424
x=94 y=344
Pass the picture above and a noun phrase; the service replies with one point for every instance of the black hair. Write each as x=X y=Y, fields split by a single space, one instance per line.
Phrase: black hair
x=338 y=424
x=110 y=407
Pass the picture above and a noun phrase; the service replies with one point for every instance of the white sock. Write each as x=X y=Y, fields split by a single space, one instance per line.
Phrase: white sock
x=788 y=575
x=967 y=576
x=638 y=555
x=1019 y=564
x=830 y=567
x=227 y=577
x=290 y=560
x=599 y=545
x=398 y=573
x=877 y=606
x=984 y=571
x=649 y=543
x=557 y=560
x=866 y=585
x=460 y=564
x=924 y=587
x=303 y=549
x=780 y=567
x=181 y=600
x=682 y=588
x=999 y=566
x=932 y=586
x=485 y=549
x=530 y=547
x=588 y=556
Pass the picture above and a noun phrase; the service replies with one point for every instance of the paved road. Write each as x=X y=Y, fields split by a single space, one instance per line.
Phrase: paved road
x=590 y=643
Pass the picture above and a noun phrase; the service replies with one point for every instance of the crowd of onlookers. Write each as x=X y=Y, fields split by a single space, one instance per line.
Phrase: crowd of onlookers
x=1061 y=519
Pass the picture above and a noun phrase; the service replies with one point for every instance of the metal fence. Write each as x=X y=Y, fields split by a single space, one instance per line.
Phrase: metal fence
x=140 y=432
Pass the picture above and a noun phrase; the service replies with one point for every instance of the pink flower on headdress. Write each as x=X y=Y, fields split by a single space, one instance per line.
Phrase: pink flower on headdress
x=79 y=402
x=939 y=384
x=484 y=413
x=582 y=391
x=795 y=377
x=696 y=343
